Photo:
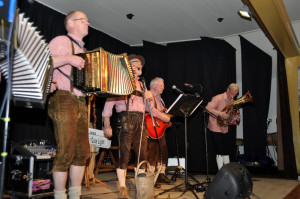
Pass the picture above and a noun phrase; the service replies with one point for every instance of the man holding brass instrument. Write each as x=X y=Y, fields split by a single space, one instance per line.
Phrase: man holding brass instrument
x=220 y=132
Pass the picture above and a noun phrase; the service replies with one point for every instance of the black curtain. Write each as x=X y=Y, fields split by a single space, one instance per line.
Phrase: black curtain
x=290 y=168
x=256 y=78
x=156 y=62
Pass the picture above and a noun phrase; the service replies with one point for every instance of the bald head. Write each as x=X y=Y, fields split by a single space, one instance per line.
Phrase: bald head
x=77 y=23
x=69 y=16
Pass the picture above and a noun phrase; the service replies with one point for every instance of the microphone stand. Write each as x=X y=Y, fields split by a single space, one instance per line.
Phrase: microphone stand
x=207 y=181
x=185 y=106
x=179 y=168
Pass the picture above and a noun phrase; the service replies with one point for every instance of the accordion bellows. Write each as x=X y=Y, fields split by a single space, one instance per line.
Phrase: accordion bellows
x=32 y=69
x=105 y=73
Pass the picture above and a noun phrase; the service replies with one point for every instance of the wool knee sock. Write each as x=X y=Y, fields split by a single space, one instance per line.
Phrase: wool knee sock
x=219 y=161
x=121 y=173
x=60 y=194
x=226 y=159
x=74 y=192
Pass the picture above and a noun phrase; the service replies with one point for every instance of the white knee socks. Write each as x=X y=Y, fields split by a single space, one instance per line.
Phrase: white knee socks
x=221 y=160
x=121 y=173
x=60 y=194
x=226 y=159
x=74 y=192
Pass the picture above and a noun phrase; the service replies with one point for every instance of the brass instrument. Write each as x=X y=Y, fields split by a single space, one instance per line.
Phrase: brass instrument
x=232 y=108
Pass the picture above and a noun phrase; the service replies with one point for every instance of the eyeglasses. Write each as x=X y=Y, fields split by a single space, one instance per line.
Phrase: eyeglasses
x=83 y=20
x=136 y=62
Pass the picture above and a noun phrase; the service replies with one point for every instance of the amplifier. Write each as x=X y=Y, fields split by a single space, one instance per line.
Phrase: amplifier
x=37 y=151
x=28 y=177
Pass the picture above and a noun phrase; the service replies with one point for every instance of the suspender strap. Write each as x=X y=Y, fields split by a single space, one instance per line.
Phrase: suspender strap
x=127 y=102
x=70 y=77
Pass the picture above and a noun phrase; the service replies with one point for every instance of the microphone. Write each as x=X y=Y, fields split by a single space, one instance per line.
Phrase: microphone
x=142 y=79
x=177 y=89
x=189 y=85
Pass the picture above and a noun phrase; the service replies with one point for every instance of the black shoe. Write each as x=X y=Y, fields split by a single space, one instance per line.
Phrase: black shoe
x=162 y=178
x=157 y=185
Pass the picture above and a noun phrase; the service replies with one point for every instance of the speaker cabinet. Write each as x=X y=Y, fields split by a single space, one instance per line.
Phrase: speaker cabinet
x=233 y=181
x=27 y=177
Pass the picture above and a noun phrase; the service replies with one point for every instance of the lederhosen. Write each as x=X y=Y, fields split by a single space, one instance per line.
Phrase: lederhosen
x=129 y=132
x=157 y=149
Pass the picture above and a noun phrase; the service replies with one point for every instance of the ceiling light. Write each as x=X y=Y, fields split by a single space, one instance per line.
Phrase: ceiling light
x=245 y=13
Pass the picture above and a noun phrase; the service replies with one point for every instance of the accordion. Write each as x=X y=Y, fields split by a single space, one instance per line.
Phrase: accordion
x=31 y=68
x=104 y=73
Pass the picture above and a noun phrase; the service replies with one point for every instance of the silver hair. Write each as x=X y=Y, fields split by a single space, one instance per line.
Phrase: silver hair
x=155 y=80
x=233 y=86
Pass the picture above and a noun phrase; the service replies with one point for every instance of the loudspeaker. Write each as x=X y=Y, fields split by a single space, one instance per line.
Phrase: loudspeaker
x=28 y=177
x=232 y=181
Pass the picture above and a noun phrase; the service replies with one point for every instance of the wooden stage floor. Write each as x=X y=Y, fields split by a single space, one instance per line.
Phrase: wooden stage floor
x=263 y=188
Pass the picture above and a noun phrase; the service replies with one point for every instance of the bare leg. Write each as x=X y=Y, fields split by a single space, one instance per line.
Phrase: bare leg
x=76 y=175
x=60 y=180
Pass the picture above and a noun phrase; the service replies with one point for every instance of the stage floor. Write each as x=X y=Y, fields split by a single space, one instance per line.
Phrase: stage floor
x=264 y=188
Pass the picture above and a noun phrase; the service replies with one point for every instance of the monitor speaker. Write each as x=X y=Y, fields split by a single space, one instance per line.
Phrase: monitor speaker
x=232 y=181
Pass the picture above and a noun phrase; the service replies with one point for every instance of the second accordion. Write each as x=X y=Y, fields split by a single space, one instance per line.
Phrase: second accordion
x=104 y=73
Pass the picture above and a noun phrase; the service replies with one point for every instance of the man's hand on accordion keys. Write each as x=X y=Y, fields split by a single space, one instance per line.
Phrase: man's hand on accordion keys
x=77 y=62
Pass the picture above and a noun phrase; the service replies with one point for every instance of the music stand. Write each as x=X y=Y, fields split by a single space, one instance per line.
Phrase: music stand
x=184 y=105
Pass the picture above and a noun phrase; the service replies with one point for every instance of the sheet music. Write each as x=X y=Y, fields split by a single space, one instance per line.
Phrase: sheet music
x=196 y=107
x=174 y=103
x=185 y=104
